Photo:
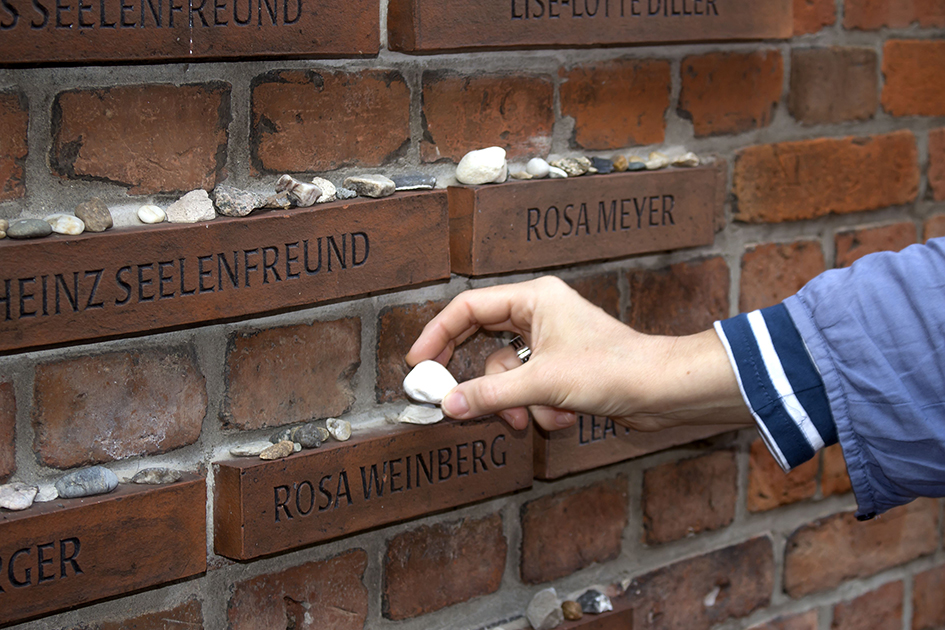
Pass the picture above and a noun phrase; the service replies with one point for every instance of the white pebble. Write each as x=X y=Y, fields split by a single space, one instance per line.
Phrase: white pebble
x=420 y=414
x=657 y=161
x=484 y=166
x=688 y=159
x=151 y=214
x=339 y=429
x=193 y=207
x=250 y=450
x=556 y=173
x=46 y=494
x=65 y=224
x=538 y=168
x=17 y=496
x=329 y=190
x=429 y=382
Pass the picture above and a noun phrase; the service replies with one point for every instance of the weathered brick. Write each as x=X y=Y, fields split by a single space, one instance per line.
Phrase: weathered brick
x=928 y=605
x=803 y=621
x=682 y=299
x=7 y=431
x=937 y=163
x=812 y=15
x=690 y=496
x=188 y=615
x=880 y=609
x=736 y=580
x=325 y=594
x=399 y=326
x=462 y=113
x=868 y=15
x=934 y=227
x=102 y=408
x=775 y=271
x=617 y=104
x=833 y=85
x=292 y=374
x=307 y=120
x=463 y=560
x=792 y=181
x=769 y=487
x=821 y=555
x=581 y=527
x=915 y=77
x=14 y=123
x=725 y=93
x=853 y=245
x=834 y=478
x=151 y=138
x=601 y=290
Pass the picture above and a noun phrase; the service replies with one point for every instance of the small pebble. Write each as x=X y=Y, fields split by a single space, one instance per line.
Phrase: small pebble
x=595 y=602
x=374 y=186
x=345 y=193
x=87 y=482
x=250 y=450
x=300 y=193
x=339 y=429
x=46 y=494
x=572 y=610
x=420 y=414
x=603 y=165
x=634 y=165
x=688 y=159
x=556 y=173
x=278 y=451
x=296 y=447
x=657 y=161
x=414 y=181
x=278 y=201
x=193 y=207
x=483 y=166
x=29 y=228
x=538 y=168
x=94 y=213
x=328 y=189
x=65 y=224
x=156 y=476
x=544 y=612
x=17 y=496
x=574 y=167
x=522 y=175
x=429 y=382
x=151 y=214
x=620 y=163
x=4 y=224
x=308 y=435
x=282 y=435
x=234 y=202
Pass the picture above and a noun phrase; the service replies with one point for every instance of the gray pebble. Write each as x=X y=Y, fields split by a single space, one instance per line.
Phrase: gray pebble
x=233 y=202
x=17 y=496
x=633 y=165
x=87 y=482
x=603 y=165
x=282 y=435
x=46 y=494
x=309 y=435
x=414 y=181
x=375 y=186
x=278 y=201
x=156 y=476
x=250 y=450
x=345 y=193
x=29 y=228
x=574 y=167
x=94 y=213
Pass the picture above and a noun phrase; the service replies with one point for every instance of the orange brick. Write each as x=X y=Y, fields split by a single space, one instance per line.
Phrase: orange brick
x=803 y=621
x=725 y=93
x=792 y=181
x=682 y=299
x=462 y=113
x=310 y=121
x=928 y=605
x=853 y=245
x=937 y=163
x=151 y=138
x=915 y=77
x=188 y=615
x=292 y=374
x=821 y=555
x=834 y=477
x=7 y=432
x=870 y=15
x=14 y=123
x=97 y=409
x=769 y=487
x=617 y=104
x=812 y=15
x=934 y=227
x=464 y=560
x=880 y=609
x=773 y=272
x=833 y=85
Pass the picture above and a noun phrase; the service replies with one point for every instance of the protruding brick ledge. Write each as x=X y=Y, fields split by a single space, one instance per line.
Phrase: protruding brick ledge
x=384 y=475
x=63 y=289
x=72 y=552
x=524 y=225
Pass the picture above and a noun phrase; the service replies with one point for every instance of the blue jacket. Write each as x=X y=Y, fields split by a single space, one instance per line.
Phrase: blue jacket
x=857 y=355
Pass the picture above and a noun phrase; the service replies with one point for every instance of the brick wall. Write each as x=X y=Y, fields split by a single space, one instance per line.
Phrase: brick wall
x=833 y=147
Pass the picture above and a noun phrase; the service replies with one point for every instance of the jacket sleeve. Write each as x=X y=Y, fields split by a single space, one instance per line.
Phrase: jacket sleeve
x=857 y=355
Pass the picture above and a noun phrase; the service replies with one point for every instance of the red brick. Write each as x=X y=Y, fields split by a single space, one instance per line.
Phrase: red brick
x=775 y=271
x=187 y=616
x=812 y=15
x=870 y=15
x=741 y=578
x=937 y=163
x=14 y=123
x=803 y=621
x=601 y=290
x=934 y=227
x=569 y=530
x=928 y=605
x=730 y=92
x=462 y=113
x=292 y=374
x=7 y=431
x=399 y=326
x=151 y=138
x=436 y=566
x=682 y=299
x=834 y=478
x=617 y=104
x=833 y=85
x=877 y=610
x=821 y=555
x=915 y=77
x=792 y=181
x=311 y=121
x=769 y=487
x=326 y=594
x=684 y=498
x=853 y=245
x=96 y=409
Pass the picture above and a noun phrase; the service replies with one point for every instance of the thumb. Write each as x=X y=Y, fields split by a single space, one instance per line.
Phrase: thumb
x=491 y=393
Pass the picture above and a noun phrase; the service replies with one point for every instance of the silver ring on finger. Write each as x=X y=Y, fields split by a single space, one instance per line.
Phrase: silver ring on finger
x=523 y=351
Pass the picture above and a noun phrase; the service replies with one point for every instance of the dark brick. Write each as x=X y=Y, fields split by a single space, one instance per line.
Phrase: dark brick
x=682 y=299
x=833 y=85
x=937 y=163
x=775 y=271
x=869 y=15
x=187 y=616
x=803 y=621
x=600 y=290
x=7 y=431
x=14 y=125
x=880 y=609
x=928 y=605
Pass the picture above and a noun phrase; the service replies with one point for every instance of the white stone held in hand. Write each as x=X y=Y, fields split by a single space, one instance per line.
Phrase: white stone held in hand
x=484 y=166
x=429 y=382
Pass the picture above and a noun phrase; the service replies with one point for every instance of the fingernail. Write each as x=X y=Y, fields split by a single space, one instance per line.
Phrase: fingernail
x=455 y=404
x=563 y=420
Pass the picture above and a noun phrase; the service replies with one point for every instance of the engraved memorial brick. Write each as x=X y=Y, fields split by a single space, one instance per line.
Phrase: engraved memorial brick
x=594 y=442
x=535 y=224
x=71 y=552
x=58 y=289
x=384 y=475
x=427 y=26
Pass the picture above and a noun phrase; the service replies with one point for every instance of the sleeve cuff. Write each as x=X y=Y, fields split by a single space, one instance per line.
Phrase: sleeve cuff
x=780 y=384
